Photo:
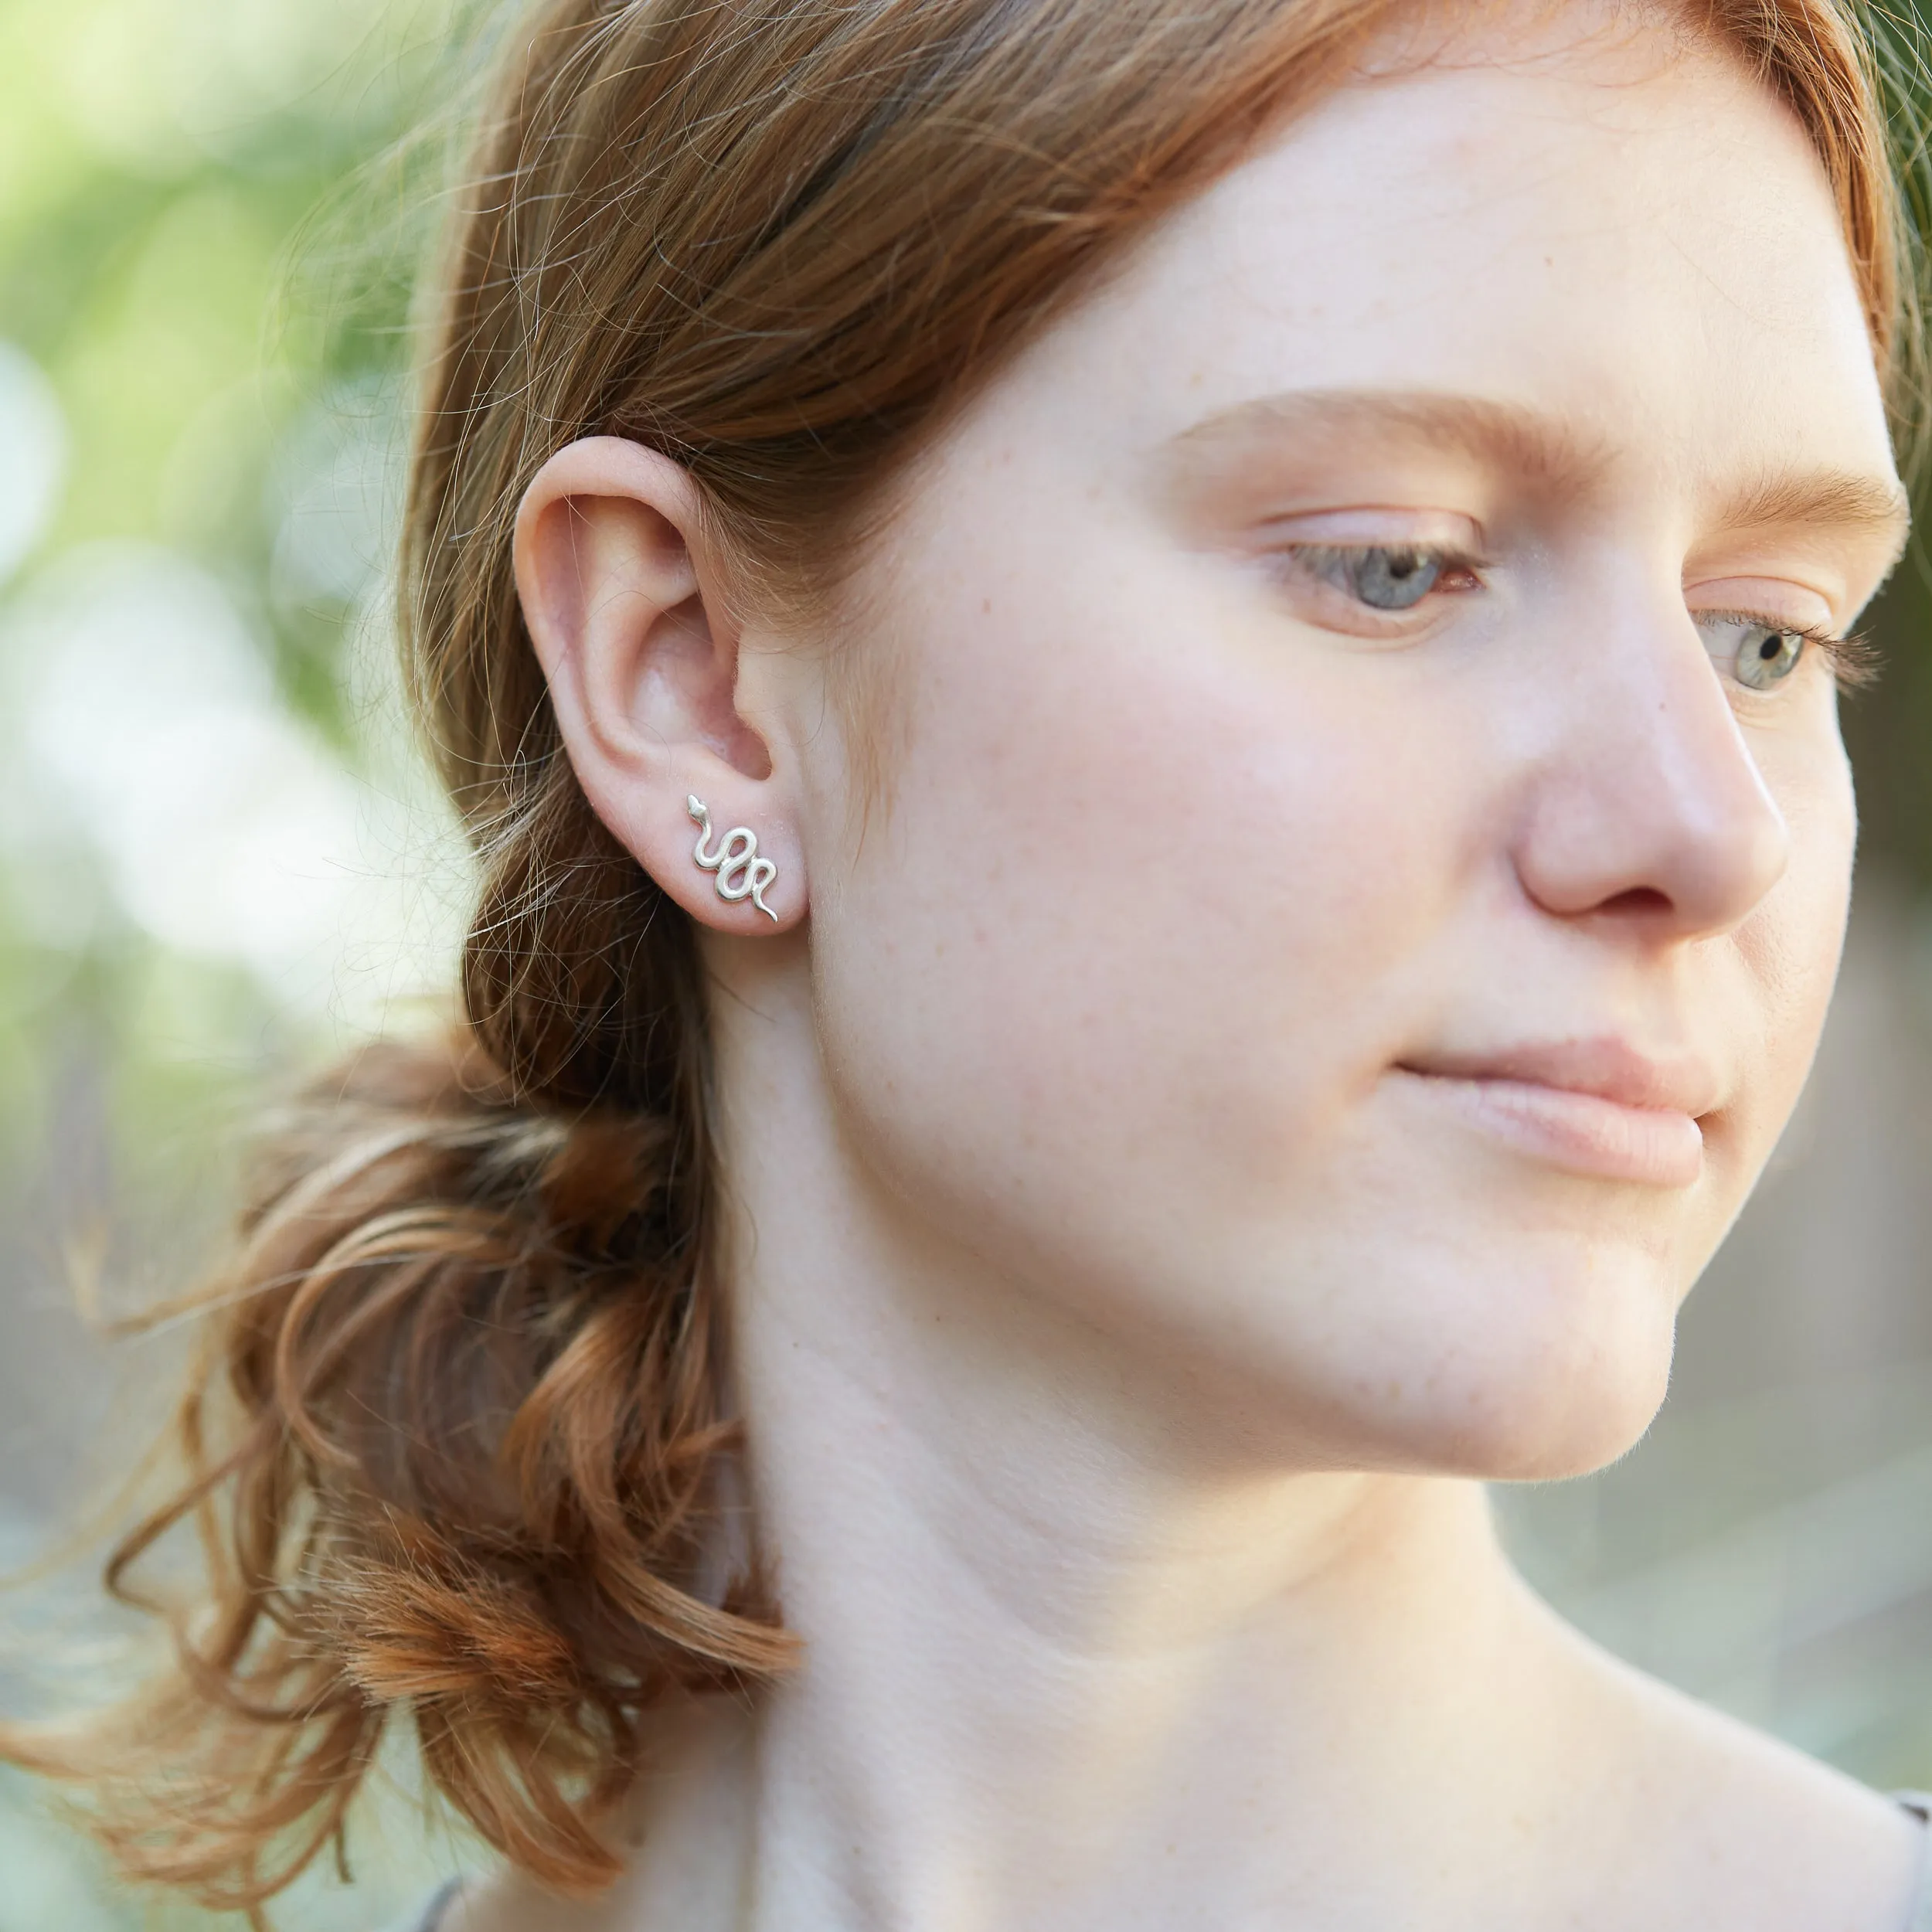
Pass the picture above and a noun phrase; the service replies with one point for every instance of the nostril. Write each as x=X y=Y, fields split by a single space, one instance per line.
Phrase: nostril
x=1640 y=902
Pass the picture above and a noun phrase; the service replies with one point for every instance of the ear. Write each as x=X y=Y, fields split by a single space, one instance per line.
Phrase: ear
x=627 y=615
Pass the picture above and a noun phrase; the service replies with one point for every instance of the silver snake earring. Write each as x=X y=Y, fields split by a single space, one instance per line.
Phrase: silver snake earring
x=741 y=874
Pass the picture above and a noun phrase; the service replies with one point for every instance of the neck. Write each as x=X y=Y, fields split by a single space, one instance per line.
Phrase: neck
x=1076 y=1653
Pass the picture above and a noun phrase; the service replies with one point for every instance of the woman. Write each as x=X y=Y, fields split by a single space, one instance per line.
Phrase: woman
x=1148 y=694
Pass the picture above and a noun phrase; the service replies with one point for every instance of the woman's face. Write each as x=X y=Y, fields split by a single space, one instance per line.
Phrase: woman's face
x=1360 y=872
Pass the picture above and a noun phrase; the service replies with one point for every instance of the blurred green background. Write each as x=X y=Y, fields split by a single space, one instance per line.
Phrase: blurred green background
x=219 y=859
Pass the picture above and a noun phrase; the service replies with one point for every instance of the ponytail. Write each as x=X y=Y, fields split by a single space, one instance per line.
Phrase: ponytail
x=464 y=1374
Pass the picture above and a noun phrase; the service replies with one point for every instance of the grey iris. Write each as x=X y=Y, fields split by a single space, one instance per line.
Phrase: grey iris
x=1765 y=656
x=1392 y=579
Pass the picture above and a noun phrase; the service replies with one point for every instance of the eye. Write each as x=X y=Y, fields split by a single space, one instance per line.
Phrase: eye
x=1383 y=578
x=1758 y=655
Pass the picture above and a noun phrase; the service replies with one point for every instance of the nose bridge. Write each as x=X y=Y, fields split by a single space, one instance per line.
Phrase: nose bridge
x=1649 y=802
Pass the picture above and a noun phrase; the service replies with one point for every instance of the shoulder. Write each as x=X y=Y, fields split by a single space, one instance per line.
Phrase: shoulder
x=501 y=1904
x=1919 y=1805
x=1721 y=1824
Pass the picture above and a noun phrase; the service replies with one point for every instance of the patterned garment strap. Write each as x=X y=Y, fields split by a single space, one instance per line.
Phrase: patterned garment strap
x=433 y=1914
x=1919 y=1805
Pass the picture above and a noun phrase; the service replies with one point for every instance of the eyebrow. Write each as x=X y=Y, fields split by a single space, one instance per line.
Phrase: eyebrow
x=1505 y=435
x=1849 y=500
x=1553 y=456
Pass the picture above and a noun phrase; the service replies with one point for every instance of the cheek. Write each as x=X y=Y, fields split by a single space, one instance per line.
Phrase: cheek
x=1791 y=946
x=1123 y=952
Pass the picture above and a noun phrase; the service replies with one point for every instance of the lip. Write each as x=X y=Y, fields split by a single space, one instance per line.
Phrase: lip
x=1598 y=1107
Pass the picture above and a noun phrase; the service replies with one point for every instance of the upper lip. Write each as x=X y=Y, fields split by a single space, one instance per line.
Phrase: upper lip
x=1605 y=1065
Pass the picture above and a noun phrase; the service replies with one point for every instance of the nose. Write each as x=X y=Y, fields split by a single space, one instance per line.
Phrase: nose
x=1647 y=806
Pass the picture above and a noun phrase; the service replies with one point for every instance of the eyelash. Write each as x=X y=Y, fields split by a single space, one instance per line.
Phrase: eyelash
x=1853 y=661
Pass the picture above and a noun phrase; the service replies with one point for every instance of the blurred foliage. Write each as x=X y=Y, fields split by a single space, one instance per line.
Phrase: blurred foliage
x=208 y=213
x=162 y=170
x=1888 y=726
x=209 y=210
x=1889 y=729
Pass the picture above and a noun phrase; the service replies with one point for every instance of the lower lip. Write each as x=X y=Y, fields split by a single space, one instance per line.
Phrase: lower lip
x=1579 y=1133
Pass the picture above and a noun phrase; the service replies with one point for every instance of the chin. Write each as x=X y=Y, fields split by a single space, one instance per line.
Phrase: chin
x=1550 y=1374
x=1537 y=1446
x=1565 y=1408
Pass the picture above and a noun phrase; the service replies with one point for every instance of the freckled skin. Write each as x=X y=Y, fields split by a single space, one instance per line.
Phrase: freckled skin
x=1124 y=1286
x=1218 y=868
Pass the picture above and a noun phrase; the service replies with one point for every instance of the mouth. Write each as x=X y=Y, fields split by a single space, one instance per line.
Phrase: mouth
x=1595 y=1107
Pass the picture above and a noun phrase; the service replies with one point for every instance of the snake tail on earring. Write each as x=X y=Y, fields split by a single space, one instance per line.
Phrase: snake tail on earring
x=741 y=874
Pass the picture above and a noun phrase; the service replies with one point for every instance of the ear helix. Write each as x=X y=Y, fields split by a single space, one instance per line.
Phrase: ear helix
x=741 y=873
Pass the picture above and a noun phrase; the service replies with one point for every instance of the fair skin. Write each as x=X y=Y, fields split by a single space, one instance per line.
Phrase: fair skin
x=1281 y=1046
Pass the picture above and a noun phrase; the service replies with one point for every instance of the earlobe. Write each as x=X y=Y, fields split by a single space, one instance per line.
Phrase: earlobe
x=626 y=610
